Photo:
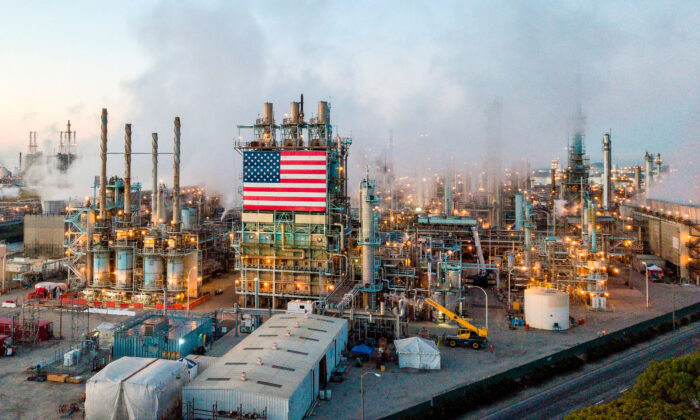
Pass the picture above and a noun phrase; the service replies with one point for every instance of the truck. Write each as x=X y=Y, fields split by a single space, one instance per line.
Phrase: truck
x=467 y=334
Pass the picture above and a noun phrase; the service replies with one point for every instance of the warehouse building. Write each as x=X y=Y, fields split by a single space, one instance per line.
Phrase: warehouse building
x=277 y=370
x=670 y=231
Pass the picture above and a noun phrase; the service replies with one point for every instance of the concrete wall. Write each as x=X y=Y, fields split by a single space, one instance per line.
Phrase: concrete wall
x=43 y=236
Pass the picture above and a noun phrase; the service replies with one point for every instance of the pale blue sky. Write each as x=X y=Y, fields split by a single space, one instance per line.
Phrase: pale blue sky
x=426 y=70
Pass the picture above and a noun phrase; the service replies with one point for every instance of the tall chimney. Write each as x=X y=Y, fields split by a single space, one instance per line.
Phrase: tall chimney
x=154 y=172
x=176 y=177
x=127 y=172
x=637 y=179
x=658 y=164
x=606 y=171
x=103 y=168
x=20 y=164
x=648 y=176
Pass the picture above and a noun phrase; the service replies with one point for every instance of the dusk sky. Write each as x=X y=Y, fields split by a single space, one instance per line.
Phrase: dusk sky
x=424 y=70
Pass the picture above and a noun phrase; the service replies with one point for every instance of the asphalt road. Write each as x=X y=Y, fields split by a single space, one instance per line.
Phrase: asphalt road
x=597 y=385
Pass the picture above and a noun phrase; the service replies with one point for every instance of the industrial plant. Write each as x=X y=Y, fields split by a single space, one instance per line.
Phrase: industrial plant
x=276 y=306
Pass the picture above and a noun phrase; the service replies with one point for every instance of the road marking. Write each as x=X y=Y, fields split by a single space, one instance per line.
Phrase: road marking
x=622 y=391
x=599 y=402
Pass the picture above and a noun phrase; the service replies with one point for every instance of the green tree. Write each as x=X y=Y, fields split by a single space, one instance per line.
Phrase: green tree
x=666 y=390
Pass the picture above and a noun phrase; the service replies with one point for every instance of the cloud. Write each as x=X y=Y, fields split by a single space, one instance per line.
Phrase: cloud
x=428 y=73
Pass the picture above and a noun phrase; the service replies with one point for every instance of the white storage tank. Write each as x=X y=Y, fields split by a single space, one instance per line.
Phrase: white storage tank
x=546 y=309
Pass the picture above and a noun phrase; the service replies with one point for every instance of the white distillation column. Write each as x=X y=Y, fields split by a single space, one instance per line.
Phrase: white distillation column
x=368 y=241
x=606 y=172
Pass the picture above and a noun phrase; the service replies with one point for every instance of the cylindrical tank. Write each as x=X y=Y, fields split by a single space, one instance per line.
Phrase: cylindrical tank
x=152 y=272
x=438 y=297
x=294 y=113
x=125 y=268
x=268 y=116
x=189 y=218
x=100 y=268
x=518 y=211
x=324 y=114
x=546 y=309
x=176 y=273
x=452 y=278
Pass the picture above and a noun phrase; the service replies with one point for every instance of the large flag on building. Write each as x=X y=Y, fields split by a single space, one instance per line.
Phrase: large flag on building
x=279 y=180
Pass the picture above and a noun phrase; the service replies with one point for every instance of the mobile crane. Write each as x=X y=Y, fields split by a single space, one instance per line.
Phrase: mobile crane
x=467 y=335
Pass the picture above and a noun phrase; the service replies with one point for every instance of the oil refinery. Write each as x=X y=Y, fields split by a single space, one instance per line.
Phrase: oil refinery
x=432 y=235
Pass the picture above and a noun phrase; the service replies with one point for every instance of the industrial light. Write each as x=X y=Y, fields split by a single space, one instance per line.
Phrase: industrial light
x=181 y=341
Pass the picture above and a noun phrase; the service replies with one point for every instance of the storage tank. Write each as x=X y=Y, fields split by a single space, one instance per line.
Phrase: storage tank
x=176 y=273
x=189 y=218
x=152 y=272
x=125 y=268
x=546 y=309
x=100 y=268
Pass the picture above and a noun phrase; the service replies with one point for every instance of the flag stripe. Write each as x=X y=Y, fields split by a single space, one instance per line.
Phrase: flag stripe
x=303 y=181
x=290 y=199
x=302 y=160
x=303 y=164
x=289 y=189
x=303 y=172
x=283 y=208
x=286 y=194
x=303 y=153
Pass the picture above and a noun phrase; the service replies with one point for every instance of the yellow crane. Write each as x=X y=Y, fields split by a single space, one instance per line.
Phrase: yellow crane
x=467 y=335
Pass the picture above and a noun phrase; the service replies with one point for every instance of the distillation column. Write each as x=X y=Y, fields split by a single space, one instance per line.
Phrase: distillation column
x=127 y=173
x=154 y=175
x=648 y=176
x=103 y=166
x=606 y=171
x=368 y=241
x=176 y=177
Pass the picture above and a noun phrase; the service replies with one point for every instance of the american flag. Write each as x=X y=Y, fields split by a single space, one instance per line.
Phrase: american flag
x=293 y=180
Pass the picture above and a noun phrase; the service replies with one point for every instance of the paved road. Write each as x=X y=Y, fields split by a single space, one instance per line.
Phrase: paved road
x=602 y=384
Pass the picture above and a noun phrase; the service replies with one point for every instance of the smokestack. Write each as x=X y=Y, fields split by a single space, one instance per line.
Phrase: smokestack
x=127 y=172
x=176 y=177
x=553 y=175
x=606 y=171
x=103 y=168
x=637 y=179
x=324 y=115
x=647 y=171
x=294 y=113
x=20 y=164
x=154 y=172
x=268 y=115
x=658 y=164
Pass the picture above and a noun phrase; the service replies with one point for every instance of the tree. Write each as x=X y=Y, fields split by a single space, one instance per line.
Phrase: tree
x=666 y=390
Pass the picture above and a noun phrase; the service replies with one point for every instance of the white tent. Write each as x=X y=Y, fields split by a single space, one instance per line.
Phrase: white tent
x=136 y=388
x=416 y=352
